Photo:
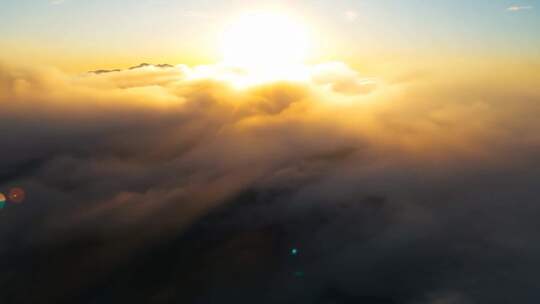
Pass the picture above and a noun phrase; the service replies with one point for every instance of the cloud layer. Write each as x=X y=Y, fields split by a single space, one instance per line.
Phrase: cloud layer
x=169 y=184
x=517 y=8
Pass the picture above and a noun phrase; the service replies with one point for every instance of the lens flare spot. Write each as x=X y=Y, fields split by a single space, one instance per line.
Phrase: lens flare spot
x=16 y=195
x=2 y=200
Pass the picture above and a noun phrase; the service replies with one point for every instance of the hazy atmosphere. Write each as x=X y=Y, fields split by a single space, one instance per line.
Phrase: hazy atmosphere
x=161 y=151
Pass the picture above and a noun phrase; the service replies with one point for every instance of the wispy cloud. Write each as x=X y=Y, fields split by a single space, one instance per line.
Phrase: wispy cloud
x=351 y=15
x=196 y=15
x=516 y=8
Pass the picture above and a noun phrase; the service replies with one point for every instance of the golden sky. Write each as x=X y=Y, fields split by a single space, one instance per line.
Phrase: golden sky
x=79 y=35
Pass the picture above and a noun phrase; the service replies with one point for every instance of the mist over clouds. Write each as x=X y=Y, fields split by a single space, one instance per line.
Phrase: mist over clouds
x=170 y=185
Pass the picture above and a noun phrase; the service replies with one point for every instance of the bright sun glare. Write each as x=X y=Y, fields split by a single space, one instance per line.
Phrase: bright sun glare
x=265 y=42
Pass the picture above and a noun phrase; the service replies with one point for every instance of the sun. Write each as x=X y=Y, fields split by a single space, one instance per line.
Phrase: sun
x=265 y=42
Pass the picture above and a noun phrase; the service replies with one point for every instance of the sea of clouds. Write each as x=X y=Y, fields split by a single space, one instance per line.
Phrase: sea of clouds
x=169 y=184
